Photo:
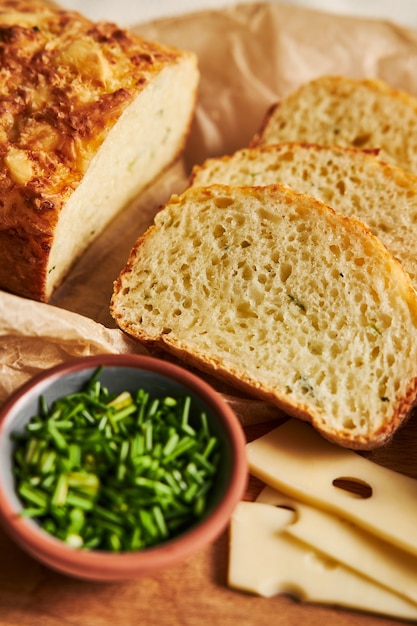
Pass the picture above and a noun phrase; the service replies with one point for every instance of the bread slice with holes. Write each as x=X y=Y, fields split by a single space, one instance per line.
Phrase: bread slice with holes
x=363 y=113
x=276 y=293
x=91 y=114
x=351 y=181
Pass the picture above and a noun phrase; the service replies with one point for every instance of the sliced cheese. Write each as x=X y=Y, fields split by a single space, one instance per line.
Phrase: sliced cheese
x=266 y=561
x=345 y=542
x=295 y=459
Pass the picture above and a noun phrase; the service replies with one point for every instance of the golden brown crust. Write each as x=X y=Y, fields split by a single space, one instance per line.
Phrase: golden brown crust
x=64 y=82
x=215 y=369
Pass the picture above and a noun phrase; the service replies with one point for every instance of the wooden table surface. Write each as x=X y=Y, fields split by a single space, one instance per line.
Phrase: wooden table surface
x=194 y=593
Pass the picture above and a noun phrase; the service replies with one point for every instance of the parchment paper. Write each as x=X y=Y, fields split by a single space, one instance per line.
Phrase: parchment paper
x=249 y=56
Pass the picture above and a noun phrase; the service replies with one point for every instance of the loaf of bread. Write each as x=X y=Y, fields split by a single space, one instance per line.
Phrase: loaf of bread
x=349 y=112
x=276 y=293
x=90 y=114
x=351 y=181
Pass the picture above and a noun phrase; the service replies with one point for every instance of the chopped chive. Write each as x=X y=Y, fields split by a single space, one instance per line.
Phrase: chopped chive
x=153 y=408
x=171 y=443
x=168 y=401
x=43 y=406
x=136 y=446
x=179 y=478
x=60 y=494
x=87 y=415
x=33 y=512
x=186 y=411
x=124 y=399
x=108 y=515
x=83 y=481
x=79 y=501
x=186 y=443
x=201 y=460
x=47 y=461
x=115 y=543
x=136 y=540
x=211 y=444
x=199 y=505
x=115 y=471
x=191 y=492
x=121 y=472
x=33 y=450
x=124 y=450
x=77 y=519
x=194 y=473
x=173 y=483
x=142 y=400
x=160 y=521
x=148 y=436
x=73 y=540
x=75 y=454
x=33 y=495
x=103 y=422
x=148 y=524
x=204 y=425
x=58 y=439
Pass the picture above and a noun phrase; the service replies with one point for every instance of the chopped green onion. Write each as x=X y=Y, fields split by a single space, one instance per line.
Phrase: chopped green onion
x=115 y=472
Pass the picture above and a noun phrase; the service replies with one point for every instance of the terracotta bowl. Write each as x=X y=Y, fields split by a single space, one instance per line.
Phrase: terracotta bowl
x=122 y=373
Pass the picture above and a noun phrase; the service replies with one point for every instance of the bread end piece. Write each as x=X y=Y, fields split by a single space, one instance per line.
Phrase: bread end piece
x=94 y=113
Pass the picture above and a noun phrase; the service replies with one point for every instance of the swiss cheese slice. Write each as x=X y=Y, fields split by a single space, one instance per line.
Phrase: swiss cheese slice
x=266 y=561
x=295 y=459
x=347 y=543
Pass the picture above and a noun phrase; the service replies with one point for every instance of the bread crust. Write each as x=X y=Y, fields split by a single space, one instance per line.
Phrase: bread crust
x=378 y=438
x=64 y=82
x=339 y=110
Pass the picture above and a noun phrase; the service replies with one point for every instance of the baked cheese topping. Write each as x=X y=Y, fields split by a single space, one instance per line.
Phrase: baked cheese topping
x=64 y=81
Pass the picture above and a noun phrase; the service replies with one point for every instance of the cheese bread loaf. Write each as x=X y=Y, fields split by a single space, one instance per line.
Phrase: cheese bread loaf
x=351 y=181
x=283 y=297
x=90 y=114
x=344 y=111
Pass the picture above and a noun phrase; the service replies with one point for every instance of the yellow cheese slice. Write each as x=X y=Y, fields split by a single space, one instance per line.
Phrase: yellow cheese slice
x=347 y=543
x=266 y=561
x=295 y=459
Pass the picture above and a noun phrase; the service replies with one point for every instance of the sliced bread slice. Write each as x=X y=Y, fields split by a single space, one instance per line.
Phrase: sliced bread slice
x=349 y=112
x=351 y=181
x=278 y=294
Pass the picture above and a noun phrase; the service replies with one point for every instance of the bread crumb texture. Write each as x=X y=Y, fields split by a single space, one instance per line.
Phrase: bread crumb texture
x=276 y=291
x=363 y=113
x=352 y=181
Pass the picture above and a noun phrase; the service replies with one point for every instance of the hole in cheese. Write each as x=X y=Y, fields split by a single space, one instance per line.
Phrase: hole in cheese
x=353 y=486
x=288 y=507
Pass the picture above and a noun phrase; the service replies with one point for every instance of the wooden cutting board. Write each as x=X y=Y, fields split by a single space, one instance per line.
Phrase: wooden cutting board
x=194 y=593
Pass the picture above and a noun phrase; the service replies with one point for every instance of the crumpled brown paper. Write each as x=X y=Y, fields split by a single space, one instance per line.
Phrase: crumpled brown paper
x=253 y=54
x=37 y=336
x=249 y=56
